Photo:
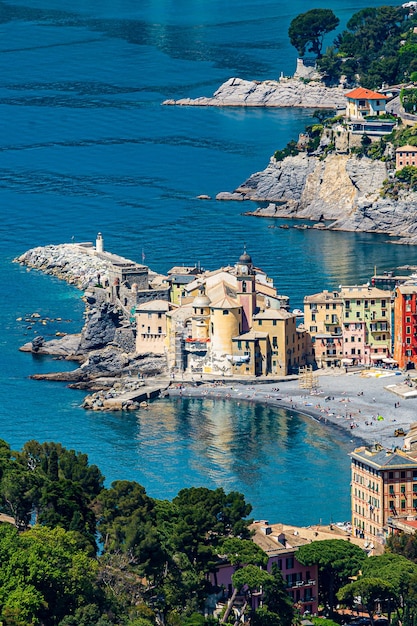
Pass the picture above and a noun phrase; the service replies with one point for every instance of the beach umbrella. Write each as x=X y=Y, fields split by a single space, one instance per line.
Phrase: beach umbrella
x=380 y=418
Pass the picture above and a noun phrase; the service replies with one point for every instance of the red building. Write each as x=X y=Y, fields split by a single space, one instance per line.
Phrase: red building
x=405 y=325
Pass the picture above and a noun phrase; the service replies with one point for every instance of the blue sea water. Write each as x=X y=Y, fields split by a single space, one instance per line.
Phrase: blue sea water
x=85 y=146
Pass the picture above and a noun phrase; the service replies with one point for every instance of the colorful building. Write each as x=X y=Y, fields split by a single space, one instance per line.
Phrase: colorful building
x=350 y=326
x=323 y=314
x=235 y=324
x=383 y=490
x=405 y=155
x=362 y=103
x=405 y=325
x=366 y=324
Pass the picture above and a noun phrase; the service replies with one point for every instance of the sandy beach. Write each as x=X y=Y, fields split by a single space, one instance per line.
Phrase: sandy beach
x=370 y=404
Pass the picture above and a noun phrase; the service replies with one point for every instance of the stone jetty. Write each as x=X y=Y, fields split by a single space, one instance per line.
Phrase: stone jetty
x=73 y=262
x=286 y=92
x=105 y=348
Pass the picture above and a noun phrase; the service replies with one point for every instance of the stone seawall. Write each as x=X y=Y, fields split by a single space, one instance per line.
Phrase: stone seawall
x=74 y=263
x=287 y=92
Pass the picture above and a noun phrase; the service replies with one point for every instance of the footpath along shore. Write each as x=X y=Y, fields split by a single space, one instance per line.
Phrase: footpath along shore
x=357 y=402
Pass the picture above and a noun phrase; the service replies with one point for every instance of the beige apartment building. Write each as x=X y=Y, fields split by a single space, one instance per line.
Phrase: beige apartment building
x=383 y=491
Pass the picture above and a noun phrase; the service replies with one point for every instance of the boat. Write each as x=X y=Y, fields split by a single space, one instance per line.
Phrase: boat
x=298 y=313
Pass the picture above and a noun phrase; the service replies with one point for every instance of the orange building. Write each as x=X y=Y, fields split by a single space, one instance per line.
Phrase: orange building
x=405 y=325
x=362 y=103
x=384 y=489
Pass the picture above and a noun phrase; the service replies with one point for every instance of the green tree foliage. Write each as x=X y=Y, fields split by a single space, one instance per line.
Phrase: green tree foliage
x=53 y=485
x=404 y=545
x=408 y=175
x=291 y=149
x=243 y=552
x=370 y=590
x=46 y=574
x=276 y=597
x=377 y=46
x=337 y=559
x=396 y=571
x=309 y=29
x=408 y=98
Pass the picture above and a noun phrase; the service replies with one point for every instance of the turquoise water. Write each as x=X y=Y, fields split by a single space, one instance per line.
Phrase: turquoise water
x=85 y=147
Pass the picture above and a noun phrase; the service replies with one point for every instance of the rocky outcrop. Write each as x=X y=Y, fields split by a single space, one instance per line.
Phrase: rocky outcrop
x=287 y=92
x=341 y=188
x=70 y=262
x=100 y=327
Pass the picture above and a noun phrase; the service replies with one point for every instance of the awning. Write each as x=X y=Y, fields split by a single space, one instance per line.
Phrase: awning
x=389 y=361
x=377 y=357
x=347 y=361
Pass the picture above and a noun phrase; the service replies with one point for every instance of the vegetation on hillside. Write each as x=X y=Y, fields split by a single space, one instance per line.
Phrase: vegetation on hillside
x=81 y=554
x=379 y=45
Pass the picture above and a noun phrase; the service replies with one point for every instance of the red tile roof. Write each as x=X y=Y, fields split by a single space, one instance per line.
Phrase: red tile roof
x=360 y=93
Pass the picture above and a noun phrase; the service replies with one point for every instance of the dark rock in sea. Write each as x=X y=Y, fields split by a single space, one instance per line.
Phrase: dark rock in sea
x=100 y=328
x=37 y=343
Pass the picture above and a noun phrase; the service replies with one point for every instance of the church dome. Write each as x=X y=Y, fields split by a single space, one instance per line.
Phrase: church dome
x=201 y=301
x=245 y=259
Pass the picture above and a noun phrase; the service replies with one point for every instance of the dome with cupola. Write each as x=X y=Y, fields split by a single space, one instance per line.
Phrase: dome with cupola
x=201 y=301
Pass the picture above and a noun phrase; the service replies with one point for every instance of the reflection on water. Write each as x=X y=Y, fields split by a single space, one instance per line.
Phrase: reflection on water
x=282 y=462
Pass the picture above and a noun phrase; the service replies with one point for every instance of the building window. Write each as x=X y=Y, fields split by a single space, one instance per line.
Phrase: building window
x=275 y=342
x=225 y=312
x=274 y=322
x=402 y=505
x=391 y=490
x=289 y=562
x=159 y=330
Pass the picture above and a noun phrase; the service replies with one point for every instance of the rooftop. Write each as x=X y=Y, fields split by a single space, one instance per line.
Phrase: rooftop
x=360 y=93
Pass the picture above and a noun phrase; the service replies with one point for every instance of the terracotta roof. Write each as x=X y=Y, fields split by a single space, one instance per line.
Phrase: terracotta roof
x=407 y=148
x=360 y=93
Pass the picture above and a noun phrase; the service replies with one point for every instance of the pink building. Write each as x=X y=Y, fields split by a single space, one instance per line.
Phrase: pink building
x=280 y=542
x=405 y=155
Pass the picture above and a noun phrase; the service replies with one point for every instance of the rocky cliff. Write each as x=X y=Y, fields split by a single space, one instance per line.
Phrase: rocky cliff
x=341 y=188
x=287 y=92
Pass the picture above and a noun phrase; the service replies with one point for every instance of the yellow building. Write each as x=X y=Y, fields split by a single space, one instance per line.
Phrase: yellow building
x=323 y=313
x=383 y=491
x=234 y=325
x=151 y=326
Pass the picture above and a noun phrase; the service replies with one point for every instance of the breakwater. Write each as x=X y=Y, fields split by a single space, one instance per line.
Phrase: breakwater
x=75 y=263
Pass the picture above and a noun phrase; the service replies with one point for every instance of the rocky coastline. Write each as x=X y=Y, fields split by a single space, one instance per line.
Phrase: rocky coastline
x=103 y=349
x=341 y=191
x=286 y=92
x=119 y=379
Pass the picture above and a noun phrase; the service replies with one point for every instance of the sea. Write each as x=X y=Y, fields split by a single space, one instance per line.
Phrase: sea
x=86 y=146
